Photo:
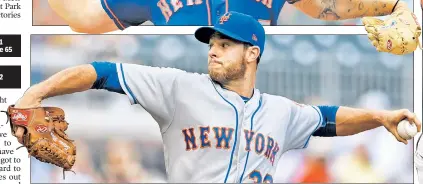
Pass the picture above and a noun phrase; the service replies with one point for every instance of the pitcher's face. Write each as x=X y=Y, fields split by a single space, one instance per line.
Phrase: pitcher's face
x=226 y=60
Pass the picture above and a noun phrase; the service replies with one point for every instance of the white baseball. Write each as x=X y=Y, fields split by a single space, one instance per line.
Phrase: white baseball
x=406 y=129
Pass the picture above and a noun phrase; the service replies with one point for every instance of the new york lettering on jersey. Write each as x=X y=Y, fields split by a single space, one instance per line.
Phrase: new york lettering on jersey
x=209 y=137
x=182 y=12
x=205 y=12
x=222 y=138
x=126 y=13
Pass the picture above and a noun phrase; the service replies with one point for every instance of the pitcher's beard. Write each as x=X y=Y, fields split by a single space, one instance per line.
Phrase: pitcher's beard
x=231 y=73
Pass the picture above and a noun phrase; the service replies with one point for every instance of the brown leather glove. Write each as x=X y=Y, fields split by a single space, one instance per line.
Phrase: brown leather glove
x=44 y=135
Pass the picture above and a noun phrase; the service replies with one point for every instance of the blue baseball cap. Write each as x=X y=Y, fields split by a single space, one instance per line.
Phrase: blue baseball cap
x=237 y=26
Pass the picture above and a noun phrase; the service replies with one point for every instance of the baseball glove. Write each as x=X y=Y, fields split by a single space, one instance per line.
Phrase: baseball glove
x=398 y=34
x=44 y=135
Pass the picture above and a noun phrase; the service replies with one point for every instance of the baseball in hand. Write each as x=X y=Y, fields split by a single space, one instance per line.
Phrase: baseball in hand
x=406 y=129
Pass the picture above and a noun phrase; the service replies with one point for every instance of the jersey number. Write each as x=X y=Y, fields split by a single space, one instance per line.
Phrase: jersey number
x=258 y=178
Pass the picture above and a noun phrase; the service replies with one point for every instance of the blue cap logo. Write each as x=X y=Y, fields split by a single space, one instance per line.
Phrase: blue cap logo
x=224 y=18
x=238 y=26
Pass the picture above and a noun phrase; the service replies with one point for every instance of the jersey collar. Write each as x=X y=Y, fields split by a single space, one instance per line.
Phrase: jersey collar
x=230 y=95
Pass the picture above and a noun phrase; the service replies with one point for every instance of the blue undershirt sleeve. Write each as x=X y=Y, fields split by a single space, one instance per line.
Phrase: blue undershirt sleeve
x=328 y=128
x=107 y=77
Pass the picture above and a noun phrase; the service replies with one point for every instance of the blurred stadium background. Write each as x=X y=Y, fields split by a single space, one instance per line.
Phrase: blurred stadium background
x=119 y=143
x=43 y=15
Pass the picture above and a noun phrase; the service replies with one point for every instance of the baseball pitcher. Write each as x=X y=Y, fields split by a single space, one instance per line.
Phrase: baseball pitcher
x=216 y=127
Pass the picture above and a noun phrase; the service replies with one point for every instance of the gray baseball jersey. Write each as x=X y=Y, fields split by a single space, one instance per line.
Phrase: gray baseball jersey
x=209 y=133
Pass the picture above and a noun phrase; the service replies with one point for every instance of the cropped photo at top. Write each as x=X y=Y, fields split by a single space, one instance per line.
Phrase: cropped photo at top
x=100 y=16
x=398 y=34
